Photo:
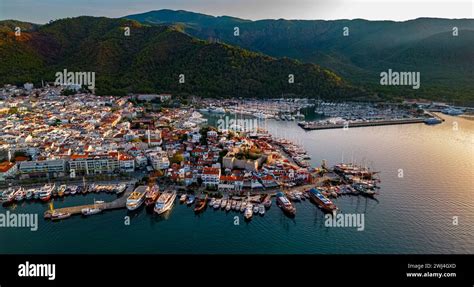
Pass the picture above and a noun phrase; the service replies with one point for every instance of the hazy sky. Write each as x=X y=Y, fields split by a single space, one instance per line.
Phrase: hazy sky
x=41 y=11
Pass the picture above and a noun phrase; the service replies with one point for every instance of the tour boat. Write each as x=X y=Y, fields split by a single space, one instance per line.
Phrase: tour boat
x=200 y=204
x=136 y=198
x=152 y=194
x=284 y=203
x=165 y=202
x=323 y=202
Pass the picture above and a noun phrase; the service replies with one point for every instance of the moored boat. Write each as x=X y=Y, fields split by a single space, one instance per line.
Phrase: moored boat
x=62 y=190
x=20 y=194
x=217 y=203
x=29 y=193
x=248 y=213
x=165 y=202
x=200 y=204
x=136 y=198
x=267 y=201
x=323 y=202
x=90 y=211
x=284 y=203
x=46 y=192
x=56 y=215
x=8 y=196
x=190 y=200
x=152 y=194
x=183 y=197
x=261 y=209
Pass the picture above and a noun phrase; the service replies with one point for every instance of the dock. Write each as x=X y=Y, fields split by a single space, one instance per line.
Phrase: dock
x=118 y=203
x=315 y=126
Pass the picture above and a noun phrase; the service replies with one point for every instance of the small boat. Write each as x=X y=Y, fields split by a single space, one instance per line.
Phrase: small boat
x=267 y=201
x=56 y=215
x=119 y=189
x=228 y=205
x=248 y=211
x=223 y=203
x=99 y=201
x=190 y=199
x=217 y=204
x=136 y=198
x=29 y=193
x=61 y=190
x=20 y=194
x=73 y=189
x=261 y=209
x=46 y=192
x=183 y=197
x=285 y=204
x=36 y=193
x=8 y=196
x=212 y=202
x=165 y=202
x=200 y=204
x=238 y=205
x=255 y=208
x=67 y=191
x=90 y=211
x=234 y=204
x=85 y=189
x=152 y=195
x=243 y=206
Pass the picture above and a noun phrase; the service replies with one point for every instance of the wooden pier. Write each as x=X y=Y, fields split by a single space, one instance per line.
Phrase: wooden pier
x=115 y=204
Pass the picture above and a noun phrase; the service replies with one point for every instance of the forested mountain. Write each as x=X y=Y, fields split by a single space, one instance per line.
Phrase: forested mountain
x=424 y=45
x=152 y=59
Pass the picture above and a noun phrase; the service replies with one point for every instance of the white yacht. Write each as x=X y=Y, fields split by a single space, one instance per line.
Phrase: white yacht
x=136 y=199
x=165 y=202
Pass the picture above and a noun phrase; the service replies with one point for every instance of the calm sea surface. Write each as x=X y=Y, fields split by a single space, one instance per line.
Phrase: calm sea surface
x=412 y=214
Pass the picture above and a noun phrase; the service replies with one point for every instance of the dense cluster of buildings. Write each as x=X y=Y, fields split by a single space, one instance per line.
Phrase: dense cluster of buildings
x=44 y=134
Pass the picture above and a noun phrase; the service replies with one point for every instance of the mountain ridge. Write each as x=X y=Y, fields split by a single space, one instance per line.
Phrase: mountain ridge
x=152 y=58
x=370 y=48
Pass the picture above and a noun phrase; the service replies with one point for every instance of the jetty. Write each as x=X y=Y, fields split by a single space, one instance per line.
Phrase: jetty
x=118 y=203
x=318 y=126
